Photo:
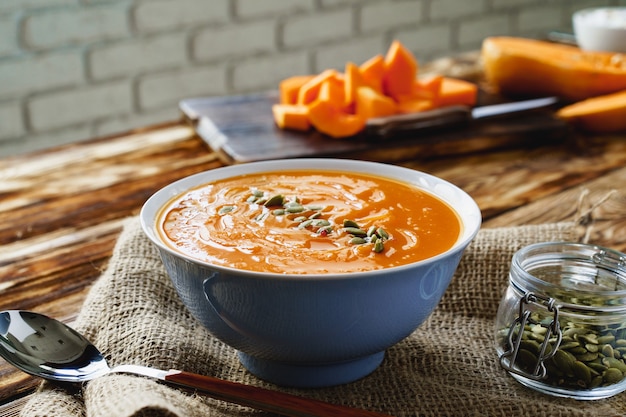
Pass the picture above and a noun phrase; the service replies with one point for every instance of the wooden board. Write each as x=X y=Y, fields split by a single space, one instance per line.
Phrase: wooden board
x=241 y=129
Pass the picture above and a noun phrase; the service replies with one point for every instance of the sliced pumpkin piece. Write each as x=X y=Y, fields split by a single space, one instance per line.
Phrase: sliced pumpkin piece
x=291 y=116
x=414 y=105
x=370 y=103
x=428 y=88
x=289 y=87
x=519 y=66
x=400 y=70
x=457 y=92
x=353 y=81
x=601 y=114
x=309 y=90
x=334 y=122
x=332 y=90
x=372 y=71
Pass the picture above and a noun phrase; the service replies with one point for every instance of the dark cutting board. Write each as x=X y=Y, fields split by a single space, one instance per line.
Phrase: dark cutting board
x=241 y=129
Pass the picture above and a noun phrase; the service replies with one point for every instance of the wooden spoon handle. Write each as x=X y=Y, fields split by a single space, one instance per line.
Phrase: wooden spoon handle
x=264 y=399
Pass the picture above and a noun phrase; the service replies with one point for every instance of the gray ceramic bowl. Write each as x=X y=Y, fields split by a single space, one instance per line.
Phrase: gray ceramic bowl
x=313 y=330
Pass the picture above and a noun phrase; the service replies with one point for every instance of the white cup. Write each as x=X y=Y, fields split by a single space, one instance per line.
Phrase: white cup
x=601 y=29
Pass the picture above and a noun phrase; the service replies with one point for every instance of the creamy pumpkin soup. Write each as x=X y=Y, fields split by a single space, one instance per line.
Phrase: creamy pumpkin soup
x=308 y=222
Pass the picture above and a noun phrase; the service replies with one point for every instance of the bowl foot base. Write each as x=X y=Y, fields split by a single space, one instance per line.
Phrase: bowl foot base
x=311 y=376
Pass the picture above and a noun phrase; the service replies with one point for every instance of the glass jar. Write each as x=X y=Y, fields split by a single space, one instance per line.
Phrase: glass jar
x=561 y=324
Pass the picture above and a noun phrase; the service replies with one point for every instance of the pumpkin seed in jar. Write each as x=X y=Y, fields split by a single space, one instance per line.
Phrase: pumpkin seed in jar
x=582 y=372
x=612 y=376
x=607 y=338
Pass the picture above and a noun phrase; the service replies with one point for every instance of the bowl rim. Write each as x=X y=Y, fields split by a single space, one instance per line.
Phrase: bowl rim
x=471 y=211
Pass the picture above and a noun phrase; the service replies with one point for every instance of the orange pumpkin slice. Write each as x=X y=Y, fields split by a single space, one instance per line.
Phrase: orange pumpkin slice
x=372 y=71
x=309 y=91
x=291 y=116
x=332 y=91
x=414 y=105
x=370 y=103
x=428 y=88
x=599 y=114
x=457 y=92
x=353 y=81
x=333 y=122
x=400 y=70
x=289 y=87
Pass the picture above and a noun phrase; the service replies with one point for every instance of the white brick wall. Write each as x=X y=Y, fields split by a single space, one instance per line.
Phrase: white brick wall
x=155 y=16
x=135 y=56
x=66 y=108
x=381 y=16
x=239 y=39
x=75 y=69
x=75 y=26
x=166 y=89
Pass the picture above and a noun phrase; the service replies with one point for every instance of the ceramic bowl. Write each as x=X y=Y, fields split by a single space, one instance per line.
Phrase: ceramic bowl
x=601 y=29
x=313 y=330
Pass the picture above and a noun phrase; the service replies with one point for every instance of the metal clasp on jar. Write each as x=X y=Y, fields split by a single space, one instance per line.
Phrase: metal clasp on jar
x=509 y=358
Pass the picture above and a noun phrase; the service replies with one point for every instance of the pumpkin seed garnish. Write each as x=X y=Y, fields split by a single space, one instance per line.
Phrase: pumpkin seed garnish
x=226 y=209
x=261 y=217
x=357 y=241
x=355 y=231
x=350 y=223
x=374 y=235
x=294 y=207
x=312 y=218
x=320 y=222
x=276 y=200
x=305 y=224
x=381 y=233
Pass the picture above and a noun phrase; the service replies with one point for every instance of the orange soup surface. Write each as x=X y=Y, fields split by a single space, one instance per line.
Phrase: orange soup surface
x=308 y=222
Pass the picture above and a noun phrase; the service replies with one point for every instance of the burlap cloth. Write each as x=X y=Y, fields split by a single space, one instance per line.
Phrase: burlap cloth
x=448 y=367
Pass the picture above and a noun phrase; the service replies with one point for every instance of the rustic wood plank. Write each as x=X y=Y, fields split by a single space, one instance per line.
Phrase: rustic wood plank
x=503 y=181
x=90 y=177
x=598 y=203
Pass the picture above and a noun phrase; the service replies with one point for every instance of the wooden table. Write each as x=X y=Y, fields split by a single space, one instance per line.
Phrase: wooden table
x=61 y=210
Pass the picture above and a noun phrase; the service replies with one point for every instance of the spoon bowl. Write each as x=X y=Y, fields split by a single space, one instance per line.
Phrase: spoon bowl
x=47 y=348
x=44 y=347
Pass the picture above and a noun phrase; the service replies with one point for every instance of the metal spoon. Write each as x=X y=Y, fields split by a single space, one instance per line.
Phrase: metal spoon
x=47 y=348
